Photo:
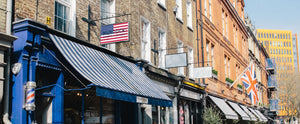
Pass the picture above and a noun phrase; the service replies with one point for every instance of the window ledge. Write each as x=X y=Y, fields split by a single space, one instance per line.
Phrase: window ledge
x=190 y=28
x=180 y=20
x=161 y=5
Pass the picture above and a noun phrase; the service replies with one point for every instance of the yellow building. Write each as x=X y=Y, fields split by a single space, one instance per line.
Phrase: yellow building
x=279 y=45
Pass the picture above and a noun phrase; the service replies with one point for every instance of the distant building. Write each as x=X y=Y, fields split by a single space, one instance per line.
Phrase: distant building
x=295 y=52
x=280 y=47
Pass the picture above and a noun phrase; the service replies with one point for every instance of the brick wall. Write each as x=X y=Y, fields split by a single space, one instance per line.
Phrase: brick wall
x=224 y=45
x=2 y=16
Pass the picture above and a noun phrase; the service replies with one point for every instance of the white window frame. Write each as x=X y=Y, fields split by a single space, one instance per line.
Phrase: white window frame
x=189 y=14
x=179 y=10
x=146 y=39
x=162 y=3
x=225 y=66
x=212 y=56
x=223 y=22
x=226 y=25
x=162 y=48
x=233 y=3
x=205 y=8
x=111 y=13
x=228 y=66
x=191 y=62
x=207 y=53
x=210 y=10
x=71 y=17
x=180 y=50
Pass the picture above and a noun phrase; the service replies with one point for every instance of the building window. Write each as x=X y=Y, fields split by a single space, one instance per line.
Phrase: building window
x=162 y=3
x=162 y=48
x=225 y=66
x=207 y=53
x=228 y=66
x=145 y=43
x=191 y=62
x=223 y=22
x=179 y=10
x=205 y=8
x=233 y=3
x=226 y=24
x=64 y=16
x=180 y=50
x=108 y=10
x=189 y=14
x=210 y=10
x=212 y=56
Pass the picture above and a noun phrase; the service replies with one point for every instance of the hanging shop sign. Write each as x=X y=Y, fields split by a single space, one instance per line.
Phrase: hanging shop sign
x=114 y=33
x=176 y=60
x=202 y=72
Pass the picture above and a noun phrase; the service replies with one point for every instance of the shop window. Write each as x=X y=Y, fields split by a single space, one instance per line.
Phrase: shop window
x=154 y=114
x=163 y=115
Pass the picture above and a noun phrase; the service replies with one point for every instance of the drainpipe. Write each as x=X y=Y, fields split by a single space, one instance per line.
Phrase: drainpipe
x=6 y=120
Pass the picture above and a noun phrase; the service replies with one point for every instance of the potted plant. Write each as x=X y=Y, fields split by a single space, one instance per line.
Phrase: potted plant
x=240 y=87
x=214 y=74
x=228 y=81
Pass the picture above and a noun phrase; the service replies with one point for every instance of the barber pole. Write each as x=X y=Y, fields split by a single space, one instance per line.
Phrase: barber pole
x=30 y=97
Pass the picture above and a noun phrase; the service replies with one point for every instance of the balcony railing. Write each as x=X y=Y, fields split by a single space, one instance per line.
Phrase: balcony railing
x=270 y=66
x=274 y=105
x=272 y=82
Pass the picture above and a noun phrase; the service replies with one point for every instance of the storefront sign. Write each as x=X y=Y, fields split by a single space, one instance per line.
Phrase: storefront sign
x=190 y=94
x=202 y=72
x=176 y=60
x=141 y=99
x=193 y=85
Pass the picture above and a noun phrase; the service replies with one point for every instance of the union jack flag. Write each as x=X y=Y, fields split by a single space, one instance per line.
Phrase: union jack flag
x=250 y=82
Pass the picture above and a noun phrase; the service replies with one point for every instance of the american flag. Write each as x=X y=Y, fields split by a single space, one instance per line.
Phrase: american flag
x=250 y=82
x=114 y=33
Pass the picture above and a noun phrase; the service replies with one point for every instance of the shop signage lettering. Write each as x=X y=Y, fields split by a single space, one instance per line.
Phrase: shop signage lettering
x=141 y=99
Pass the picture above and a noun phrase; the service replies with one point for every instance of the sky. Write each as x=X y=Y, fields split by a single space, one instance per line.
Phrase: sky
x=275 y=14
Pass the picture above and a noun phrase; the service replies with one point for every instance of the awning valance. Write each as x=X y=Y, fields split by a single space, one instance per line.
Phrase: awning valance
x=229 y=113
x=114 y=77
x=239 y=110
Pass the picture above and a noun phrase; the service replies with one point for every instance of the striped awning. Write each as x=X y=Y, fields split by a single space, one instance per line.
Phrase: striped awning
x=227 y=111
x=253 y=118
x=114 y=78
x=264 y=119
x=256 y=113
x=239 y=110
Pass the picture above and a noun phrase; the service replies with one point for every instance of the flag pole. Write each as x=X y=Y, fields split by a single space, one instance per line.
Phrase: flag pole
x=241 y=74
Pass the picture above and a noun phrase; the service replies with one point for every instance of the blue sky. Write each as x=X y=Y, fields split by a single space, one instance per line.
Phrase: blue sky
x=275 y=14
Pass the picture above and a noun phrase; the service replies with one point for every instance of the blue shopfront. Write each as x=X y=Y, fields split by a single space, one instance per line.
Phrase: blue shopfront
x=60 y=79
